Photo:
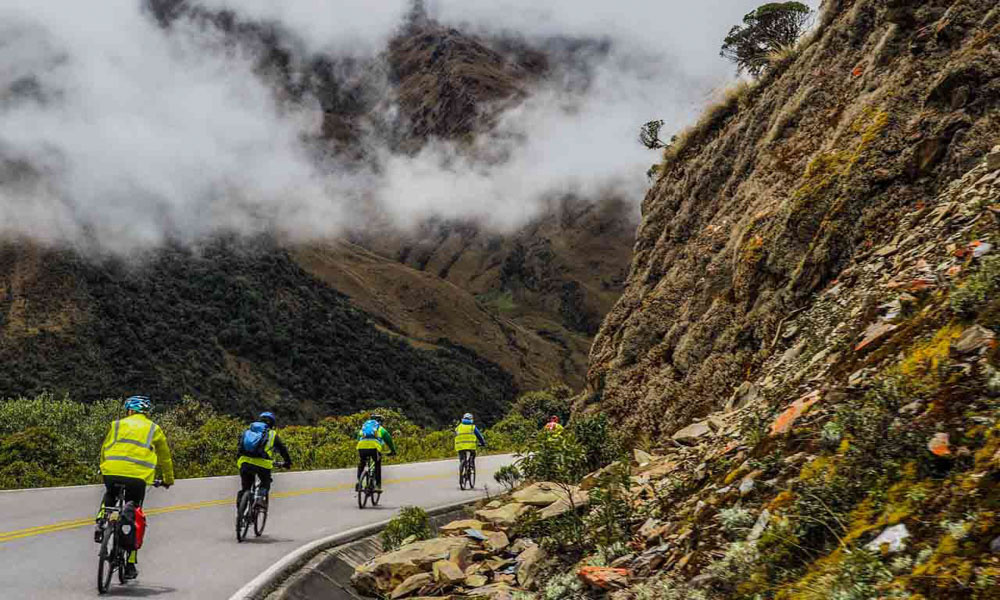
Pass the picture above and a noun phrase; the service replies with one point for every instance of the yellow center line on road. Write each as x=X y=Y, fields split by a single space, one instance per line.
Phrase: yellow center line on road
x=17 y=534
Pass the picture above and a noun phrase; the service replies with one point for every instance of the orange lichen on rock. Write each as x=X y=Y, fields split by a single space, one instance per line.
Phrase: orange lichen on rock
x=786 y=419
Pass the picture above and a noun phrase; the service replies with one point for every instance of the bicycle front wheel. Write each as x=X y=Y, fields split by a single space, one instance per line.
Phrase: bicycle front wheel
x=259 y=520
x=243 y=516
x=105 y=562
x=471 y=477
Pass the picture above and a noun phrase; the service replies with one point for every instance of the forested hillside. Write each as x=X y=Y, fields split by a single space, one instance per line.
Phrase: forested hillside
x=237 y=324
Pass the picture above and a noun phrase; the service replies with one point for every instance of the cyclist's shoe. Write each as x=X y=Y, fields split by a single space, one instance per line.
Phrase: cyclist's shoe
x=130 y=571
x=378 y=489
x=99 y=531
x=357 y=487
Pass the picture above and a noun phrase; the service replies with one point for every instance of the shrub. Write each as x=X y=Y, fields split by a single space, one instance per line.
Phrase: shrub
x=556 y=458
x=769 y=29
x=412 y=521
x=736 y=521
x=609 y=521
x=971 y=297
x=508 y=476
x=563 y=587
x=667 y=589
x=540 y=405
x=600 y=446
x=649 y=135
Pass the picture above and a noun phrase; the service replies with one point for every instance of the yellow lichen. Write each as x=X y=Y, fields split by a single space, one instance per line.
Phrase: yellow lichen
x=921 y=368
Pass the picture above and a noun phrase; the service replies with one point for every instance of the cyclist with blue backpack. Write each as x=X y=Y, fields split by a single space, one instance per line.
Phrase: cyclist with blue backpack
x=255 y=455
x=372 y=441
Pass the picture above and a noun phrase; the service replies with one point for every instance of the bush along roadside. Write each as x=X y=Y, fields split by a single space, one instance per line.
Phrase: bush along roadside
x=48 y=440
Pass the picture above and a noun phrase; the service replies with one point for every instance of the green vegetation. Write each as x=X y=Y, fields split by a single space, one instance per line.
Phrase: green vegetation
x=509 y=476
x=769 y=29
x=411 y=522
x=47 y=440
x=238 y=324
x=974 y=294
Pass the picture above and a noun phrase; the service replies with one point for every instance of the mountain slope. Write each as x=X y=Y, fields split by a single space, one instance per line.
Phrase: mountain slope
x=237 y=324
x=780 y=188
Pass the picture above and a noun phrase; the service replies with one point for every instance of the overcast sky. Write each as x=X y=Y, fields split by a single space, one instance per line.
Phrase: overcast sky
x=113 y=129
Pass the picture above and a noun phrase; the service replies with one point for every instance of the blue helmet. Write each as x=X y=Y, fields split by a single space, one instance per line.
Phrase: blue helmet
x=269 y=418
x=139 y=404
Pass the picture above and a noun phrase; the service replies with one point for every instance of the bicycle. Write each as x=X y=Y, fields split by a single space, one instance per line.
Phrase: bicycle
x=251 y=509
x=467 y=471
x=112 y=556
x=366 y=485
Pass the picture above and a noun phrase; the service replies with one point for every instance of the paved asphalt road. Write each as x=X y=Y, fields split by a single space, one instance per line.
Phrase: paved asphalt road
x=46 y=535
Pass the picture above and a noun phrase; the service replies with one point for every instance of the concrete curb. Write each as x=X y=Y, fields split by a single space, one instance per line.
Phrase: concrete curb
x=269 y=580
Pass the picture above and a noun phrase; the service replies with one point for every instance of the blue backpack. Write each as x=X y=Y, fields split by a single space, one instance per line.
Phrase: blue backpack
x=254 y=440
x=369 y=431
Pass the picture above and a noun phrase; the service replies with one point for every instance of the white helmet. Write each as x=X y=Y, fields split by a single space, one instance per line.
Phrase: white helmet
x=467 y=417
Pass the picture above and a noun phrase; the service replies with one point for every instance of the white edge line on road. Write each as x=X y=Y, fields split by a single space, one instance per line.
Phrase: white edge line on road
x=264 y=583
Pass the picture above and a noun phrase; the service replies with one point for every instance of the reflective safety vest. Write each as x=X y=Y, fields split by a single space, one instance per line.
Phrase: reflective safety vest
x=267 y=463
x=133 y=447
x=465 y=437
x=555 y=429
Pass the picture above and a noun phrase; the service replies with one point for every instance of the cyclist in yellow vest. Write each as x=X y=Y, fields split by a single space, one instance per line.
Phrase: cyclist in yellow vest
x=468 y=438
x=372 y=441
x=553 y=427
x=133 y=450
x=259 y=464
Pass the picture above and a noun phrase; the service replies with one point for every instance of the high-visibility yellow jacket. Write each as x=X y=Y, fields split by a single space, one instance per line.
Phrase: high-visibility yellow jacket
x=465 y=437
x=134 y=447
x=554 y=429
x=267 y=463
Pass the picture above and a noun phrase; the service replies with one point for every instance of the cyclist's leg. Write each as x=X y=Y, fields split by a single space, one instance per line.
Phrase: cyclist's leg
x=265 y=482
x=247 y=475
x=361 y=469
x=135 y=492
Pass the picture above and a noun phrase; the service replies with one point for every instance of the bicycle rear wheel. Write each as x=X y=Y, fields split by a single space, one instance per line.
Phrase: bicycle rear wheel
x=461 y=473
x=243 y=516
x=471 y=477
x=105 y=562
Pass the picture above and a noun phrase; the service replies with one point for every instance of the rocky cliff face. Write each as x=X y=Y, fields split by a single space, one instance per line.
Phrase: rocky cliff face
x=781 y=189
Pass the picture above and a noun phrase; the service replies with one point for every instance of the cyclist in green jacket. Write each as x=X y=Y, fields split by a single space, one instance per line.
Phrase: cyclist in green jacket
x=373 y=439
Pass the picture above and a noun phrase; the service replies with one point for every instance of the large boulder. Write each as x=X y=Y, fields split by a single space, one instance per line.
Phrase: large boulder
x=412 y=584
x=577 y=500
x=384 y=573
x=459 y=527
x=528 y=564
x=539 y=494
x=605 y=578
x=693 y=433
x=505 y=516
x=447 y=572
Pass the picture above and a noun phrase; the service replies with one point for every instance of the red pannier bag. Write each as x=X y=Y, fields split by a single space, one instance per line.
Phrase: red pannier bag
x=133 y=527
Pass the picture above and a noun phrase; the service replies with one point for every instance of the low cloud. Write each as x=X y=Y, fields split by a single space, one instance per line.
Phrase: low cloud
x=119 y=133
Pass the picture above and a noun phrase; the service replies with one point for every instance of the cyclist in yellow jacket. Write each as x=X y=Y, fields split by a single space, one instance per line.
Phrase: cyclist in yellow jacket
x=133 y=450
x=468 y=438
x=372 y=441
x=554 y=427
